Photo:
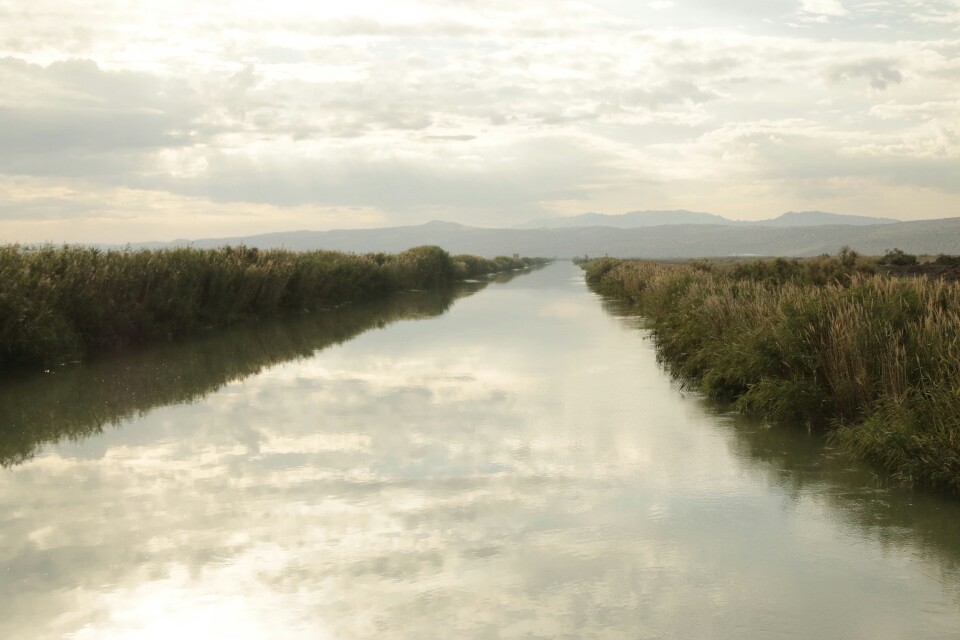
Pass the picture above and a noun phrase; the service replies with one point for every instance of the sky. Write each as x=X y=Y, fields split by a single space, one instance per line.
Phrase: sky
x=125 y=121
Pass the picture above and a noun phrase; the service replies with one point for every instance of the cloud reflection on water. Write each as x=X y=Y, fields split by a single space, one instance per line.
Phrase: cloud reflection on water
x=416 y=482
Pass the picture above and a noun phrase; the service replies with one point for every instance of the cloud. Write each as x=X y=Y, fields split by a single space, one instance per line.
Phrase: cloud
x=502 y=175
x=926 y=111
x=880 y=72
x=831 y=8
x=829 y=166
x=72 y=118
x=946 y=12
x=56 y=209
x=463 y=110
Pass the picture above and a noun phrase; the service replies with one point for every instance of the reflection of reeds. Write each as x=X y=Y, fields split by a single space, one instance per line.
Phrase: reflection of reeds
x=78 y=401
x=67 y=302
x=874 y=359
x=799 y=464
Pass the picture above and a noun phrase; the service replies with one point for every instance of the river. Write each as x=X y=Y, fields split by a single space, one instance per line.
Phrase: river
x=504 y=461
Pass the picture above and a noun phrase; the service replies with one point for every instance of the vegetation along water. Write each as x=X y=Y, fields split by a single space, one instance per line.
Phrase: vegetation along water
x=61 y=303
x=873 y=359
x=79 y=401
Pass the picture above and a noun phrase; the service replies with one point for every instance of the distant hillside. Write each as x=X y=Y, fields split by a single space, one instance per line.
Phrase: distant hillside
x=676 y=241
x=630 y=220
x=816 y=218
x=637 y=219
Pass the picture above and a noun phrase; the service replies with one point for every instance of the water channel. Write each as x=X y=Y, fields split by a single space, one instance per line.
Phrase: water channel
x=503 y=461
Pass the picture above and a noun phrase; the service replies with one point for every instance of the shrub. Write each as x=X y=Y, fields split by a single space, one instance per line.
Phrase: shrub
x=897 y=257
x=950 y=261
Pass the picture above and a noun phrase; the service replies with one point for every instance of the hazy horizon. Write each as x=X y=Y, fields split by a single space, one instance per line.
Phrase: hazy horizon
x=137 y=122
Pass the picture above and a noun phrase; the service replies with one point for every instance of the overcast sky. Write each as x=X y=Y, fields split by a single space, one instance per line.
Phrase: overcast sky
x=124 y=121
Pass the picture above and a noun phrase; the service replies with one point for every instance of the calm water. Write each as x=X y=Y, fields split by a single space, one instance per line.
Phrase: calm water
x=508 y=462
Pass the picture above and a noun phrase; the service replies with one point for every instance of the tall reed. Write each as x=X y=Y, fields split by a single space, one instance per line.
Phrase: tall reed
x=69 y=302
x=872 y=359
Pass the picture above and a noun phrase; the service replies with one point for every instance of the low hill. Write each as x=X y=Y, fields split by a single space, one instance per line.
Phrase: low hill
x=817 y=218
x=665 y=241
x=628 y=220
x=635 y=219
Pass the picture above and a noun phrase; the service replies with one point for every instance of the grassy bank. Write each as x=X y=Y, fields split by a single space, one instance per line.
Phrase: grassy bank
x=872 y=359
x=61 y=303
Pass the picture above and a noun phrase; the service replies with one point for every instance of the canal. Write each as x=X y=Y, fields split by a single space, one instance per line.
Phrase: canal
x=507 y=460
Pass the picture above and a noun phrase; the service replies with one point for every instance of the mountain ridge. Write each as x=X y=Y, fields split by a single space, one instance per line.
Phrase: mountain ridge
x=665 y=241
x=655 y=218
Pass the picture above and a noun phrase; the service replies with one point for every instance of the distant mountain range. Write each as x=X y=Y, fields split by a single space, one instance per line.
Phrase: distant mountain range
x=796 y=234
x=635 y=219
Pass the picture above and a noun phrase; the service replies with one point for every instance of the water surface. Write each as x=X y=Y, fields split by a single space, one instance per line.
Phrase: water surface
x=509 y=464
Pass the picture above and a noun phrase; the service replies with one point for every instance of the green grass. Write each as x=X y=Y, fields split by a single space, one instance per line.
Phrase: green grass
x=873 y=360
x=60 y=303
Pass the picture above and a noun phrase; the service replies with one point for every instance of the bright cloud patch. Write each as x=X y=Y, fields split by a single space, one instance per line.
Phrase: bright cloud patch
x=824 y=7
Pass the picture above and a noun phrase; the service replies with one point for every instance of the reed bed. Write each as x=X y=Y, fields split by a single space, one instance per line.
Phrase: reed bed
x=59 y=303
x=873 y=360
x=79 y=402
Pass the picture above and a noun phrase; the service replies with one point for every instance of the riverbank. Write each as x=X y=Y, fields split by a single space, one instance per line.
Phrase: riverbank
x=63 y=303
x=873 y=360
